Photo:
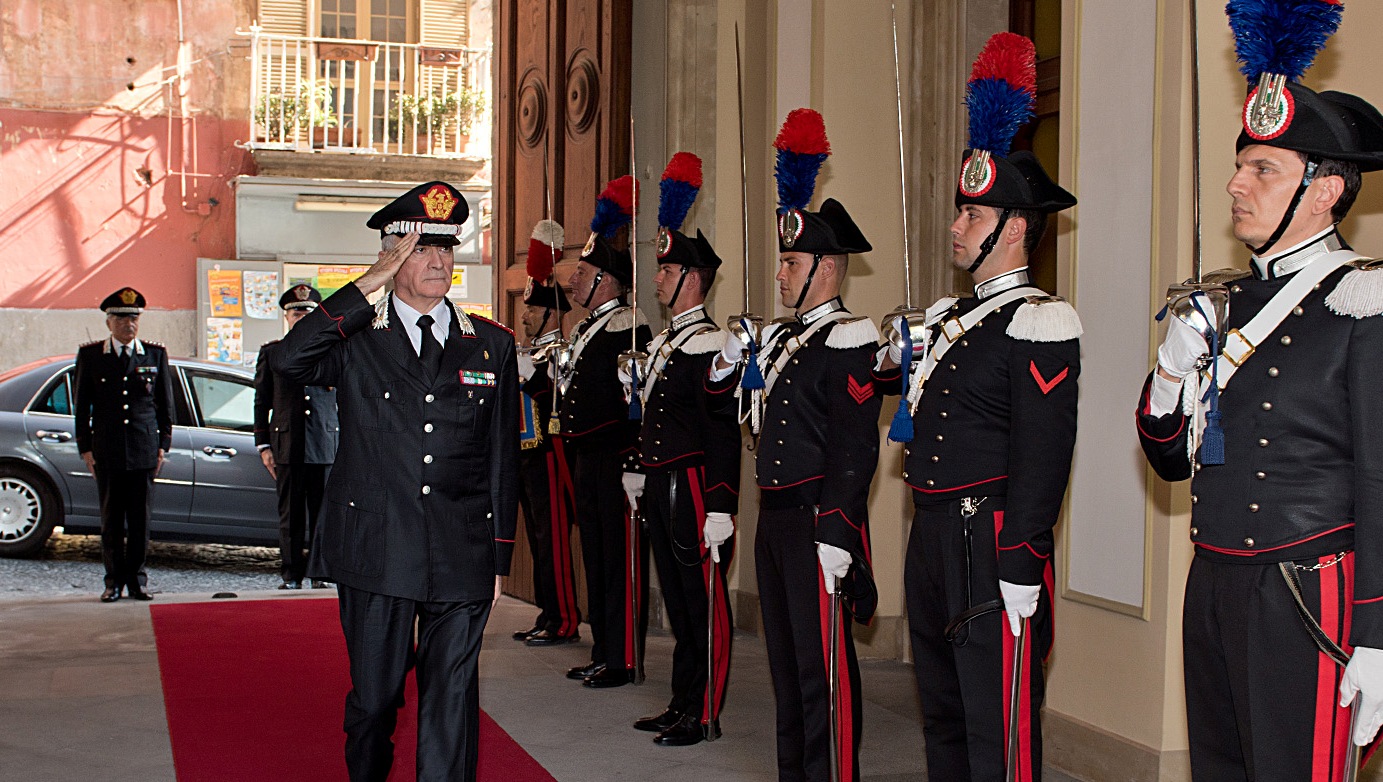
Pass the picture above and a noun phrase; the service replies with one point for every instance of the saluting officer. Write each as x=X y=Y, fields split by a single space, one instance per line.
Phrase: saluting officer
x=296 y=431
x=601 y=440
x=995 y=428
x=124 y=423
x=817 y=452
x=423 y=498
x=545 y=478
x=1283 y=617
x=691 y=460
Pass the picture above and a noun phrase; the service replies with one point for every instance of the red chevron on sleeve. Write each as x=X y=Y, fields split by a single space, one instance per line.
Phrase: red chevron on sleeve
x=860 y=392
x=1043 y=384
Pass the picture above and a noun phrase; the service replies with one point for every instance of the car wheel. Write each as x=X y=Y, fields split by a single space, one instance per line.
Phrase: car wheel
x=28 y=511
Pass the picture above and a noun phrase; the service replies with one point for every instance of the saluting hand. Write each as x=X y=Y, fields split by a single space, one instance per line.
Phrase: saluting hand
x=388 y=265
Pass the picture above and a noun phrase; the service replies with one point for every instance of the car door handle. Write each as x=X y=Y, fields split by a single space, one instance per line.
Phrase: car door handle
x=53 y=436
x=218 y=450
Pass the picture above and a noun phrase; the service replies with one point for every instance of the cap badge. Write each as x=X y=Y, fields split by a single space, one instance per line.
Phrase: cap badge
x=528 y=288
x=301 y=292
x=1269 y=109
x=590 y=246
x=790 y=227
x=664 y=241
x=978 y=174
x=128 y=296
x=438 y=202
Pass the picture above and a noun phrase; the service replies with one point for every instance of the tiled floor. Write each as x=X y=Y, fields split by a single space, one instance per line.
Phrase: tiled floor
x=80 y=699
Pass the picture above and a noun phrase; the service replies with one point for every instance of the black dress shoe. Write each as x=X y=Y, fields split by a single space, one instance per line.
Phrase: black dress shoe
x=291 y=585
x=318 y=583
x=609 y=677
x=138 y=593
x=524 y=635
x=549 y=638
x=686 y=732
x=111 y=595
x=580 y=672
x=658 y=723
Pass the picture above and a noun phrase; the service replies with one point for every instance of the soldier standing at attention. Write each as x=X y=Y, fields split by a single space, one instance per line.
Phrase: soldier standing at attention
x=296 y=431
x=991 y=390
x=1282 y=626
x=817 y=451
x=124 y=426
x=691 y=460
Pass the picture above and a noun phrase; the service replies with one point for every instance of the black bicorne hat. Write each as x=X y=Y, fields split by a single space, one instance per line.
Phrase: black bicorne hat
x=538 y=294
x=1015 y=182
x=434 y=209
x=1328 y=124
x=830 y=231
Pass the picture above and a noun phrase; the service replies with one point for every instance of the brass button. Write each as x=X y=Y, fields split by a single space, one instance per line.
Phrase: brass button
x=1298 y=311
x=1253 y=507
x=1286 y=339
x=780 y=442
x=427 y=459
x=386 y=394
x=905 y=473
x=1260 y=475
x=965 y=343
x=945 y=392
x=127 y=407
x=1195 y=499
x=482 y=400
x=775 y=481
x=1272 y=372
x=930 y=482
x=952 y=367
x=940 y=438
x=1267 y=405
x=787 y=380
x=308 y=397
x=126 y=392
x=1195 y=532
x=1262 y=442
x=1236 y=289
x=936 y=458
x=428 y=398
x=776 y=461
x=307 y=412
x=127 y=420
x=783 y=421
x=427 y=490
x=945 y=414
x=427 y=427
x=1248 y=542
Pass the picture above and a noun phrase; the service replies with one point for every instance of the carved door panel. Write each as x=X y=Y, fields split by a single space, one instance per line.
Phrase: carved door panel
x=562 y=117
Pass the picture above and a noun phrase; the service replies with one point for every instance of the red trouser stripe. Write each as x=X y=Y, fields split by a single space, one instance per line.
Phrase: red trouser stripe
x=563 y=578
x=720 y=609
x=844 y=726
x=1331 y=739
x=1025 y=689
x=631 y=585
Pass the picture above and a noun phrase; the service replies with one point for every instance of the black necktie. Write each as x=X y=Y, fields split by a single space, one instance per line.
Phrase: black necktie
x=431 y=352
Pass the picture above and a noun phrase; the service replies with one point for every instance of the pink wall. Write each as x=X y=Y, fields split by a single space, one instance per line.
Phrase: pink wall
x=77 y=219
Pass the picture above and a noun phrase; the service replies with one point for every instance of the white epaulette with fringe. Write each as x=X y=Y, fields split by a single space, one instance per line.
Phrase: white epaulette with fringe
x=1045 y=319
x=1360 y=293
x=625 y=319
x=709 y=341
x=852 y=333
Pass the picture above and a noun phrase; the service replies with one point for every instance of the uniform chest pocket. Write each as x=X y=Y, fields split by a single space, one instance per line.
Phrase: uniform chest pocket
x=473 y=409
x=383 y=410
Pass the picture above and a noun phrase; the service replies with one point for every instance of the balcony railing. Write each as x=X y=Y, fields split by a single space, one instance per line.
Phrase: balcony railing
x=365 y=96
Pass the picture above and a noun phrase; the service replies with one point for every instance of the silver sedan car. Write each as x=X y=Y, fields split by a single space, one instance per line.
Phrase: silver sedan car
x=213 y=486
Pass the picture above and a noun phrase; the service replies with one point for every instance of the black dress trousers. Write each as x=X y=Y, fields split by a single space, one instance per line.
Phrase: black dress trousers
x=126 y=504
x=602 y=513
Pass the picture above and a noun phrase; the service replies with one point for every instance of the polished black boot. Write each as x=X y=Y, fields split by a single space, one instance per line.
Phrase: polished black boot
x=660 y=722
x=580 y=672
x=686 y=732
x=609 y=677
x=549 y=638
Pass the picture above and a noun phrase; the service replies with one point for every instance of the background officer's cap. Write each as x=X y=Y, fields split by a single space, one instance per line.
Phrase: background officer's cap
x=300 y=297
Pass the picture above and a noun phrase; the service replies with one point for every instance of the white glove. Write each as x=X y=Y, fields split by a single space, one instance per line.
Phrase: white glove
x=633 y=486
x=624 y=377
x=895 y=354
x=734 y=349
x=526 y=367
x=835 y=563
x=1020 y=602
x=719 y=527
x=1364 y=678
x=1182 y=348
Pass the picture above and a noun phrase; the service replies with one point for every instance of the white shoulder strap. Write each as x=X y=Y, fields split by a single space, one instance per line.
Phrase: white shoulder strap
x=952 y=329
x=1241 y=343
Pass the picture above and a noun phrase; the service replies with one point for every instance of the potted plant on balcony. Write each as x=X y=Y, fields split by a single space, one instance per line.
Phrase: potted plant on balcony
x=441 y=121
x=287 y=118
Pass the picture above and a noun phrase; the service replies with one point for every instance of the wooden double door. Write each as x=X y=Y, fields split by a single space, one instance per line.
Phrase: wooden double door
x=562 y=122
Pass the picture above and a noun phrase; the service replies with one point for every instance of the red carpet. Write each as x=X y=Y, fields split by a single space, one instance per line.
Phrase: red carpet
x=255 y=691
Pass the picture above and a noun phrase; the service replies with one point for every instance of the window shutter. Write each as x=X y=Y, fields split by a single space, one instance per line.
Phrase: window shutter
x=284 y=17
x=444 y=23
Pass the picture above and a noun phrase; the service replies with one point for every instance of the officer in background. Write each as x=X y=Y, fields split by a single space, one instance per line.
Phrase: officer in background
x=545 y=478
x=296 y=431
x=995 y=428
x=124 y=425
x=600 y=439
x=691 y=460
x=817 y=451
x=1282 y=625
x=423 y=498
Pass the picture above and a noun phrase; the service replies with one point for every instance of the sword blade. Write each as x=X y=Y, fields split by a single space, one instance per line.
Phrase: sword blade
x=744 y=173
x=902 y=162
x=1015 y=709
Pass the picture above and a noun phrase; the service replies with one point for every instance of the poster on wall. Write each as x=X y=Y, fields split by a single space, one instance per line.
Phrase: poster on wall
x=261 y=295
x=224 y=285
x=483 y=310
x=331 y=279
x=223 y=339
x=458 y=284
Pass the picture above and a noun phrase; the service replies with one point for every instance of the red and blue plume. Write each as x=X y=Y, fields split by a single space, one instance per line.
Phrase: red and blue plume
x=1281 y=37
x=1001 y=92
x=678 y=188
x=614 y=208
x=544 y=248
x=802 y=148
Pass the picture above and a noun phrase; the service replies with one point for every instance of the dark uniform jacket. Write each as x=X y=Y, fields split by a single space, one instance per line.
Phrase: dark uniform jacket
x=1303 y=424
x=423 y=499
x=592 y=409
x=998 y=419
x=679 y=429
x=297 y=422
x=124 y=413
x=819 y=445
